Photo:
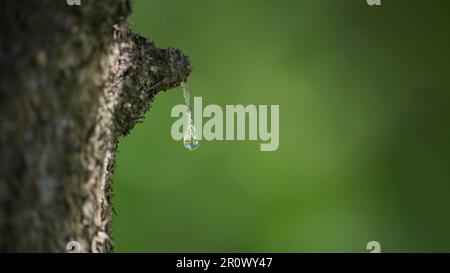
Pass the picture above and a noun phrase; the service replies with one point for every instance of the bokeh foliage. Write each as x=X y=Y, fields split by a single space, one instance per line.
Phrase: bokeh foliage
x=364 y=95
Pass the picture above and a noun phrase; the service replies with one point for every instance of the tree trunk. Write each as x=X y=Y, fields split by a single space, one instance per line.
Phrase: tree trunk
x=73 y=80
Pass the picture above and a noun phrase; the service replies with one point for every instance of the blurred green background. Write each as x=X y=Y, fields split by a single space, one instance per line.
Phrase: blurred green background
x=364 y=95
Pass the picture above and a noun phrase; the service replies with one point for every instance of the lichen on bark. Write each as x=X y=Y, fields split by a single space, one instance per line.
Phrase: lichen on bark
x=73 y=80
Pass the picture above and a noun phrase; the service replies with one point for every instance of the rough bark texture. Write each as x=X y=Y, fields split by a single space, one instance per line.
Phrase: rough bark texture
x=73 y=80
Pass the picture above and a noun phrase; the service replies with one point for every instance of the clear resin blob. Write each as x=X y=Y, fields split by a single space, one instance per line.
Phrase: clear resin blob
x=190 y=137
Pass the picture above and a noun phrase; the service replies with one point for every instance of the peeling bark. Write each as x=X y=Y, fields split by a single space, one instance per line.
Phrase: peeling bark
x=73 y=80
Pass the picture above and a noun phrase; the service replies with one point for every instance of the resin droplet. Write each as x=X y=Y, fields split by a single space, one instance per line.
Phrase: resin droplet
x=190 y=138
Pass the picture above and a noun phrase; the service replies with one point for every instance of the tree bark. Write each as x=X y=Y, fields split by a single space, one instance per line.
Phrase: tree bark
x=73 y=80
